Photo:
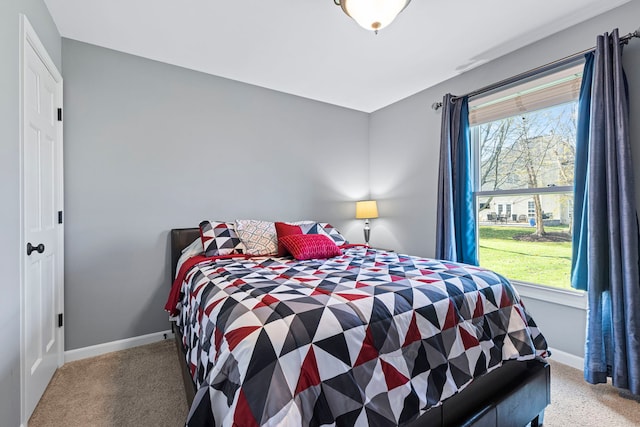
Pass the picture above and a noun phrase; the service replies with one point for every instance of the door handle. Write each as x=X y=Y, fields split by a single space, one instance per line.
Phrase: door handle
x=31 y=248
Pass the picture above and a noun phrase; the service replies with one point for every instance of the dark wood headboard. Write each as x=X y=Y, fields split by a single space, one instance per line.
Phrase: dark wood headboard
x=180 y=239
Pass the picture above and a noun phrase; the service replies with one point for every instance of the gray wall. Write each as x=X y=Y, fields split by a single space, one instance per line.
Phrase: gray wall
x=150 y=147
x=38 y=15
x=404 y=149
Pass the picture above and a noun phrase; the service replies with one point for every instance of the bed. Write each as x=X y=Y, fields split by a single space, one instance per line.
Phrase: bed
x=450 y=377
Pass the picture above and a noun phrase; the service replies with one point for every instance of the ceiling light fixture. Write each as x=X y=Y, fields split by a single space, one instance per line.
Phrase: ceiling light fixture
x=372 y=15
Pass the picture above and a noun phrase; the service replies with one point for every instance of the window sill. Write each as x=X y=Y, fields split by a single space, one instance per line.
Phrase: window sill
x=569 y=298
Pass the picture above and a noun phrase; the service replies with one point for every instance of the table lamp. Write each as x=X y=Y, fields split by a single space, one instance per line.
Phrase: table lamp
x=366 y=209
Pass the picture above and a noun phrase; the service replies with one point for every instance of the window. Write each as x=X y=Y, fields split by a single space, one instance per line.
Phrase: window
x=524 y=141
x=531 y=209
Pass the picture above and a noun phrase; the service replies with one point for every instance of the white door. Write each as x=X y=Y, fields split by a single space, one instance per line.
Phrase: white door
x=41 y=232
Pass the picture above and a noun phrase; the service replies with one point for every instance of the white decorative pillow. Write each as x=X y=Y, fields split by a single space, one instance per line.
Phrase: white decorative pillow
x=258 y=237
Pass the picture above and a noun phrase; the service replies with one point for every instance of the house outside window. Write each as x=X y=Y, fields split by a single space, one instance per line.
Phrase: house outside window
x=524 y=140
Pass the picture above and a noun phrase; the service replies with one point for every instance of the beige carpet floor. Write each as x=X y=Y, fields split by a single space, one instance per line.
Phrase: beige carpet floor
x=142 y=387
x=138 y=387
x=574 y=402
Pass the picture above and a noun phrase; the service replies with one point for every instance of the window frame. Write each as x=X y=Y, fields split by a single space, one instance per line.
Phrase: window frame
x=566 y=297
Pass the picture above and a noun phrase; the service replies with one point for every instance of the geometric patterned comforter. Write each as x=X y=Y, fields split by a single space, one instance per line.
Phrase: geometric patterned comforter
x=366 y=338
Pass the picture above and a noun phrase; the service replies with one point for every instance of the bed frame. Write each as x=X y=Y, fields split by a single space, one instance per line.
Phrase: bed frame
x=513 y=395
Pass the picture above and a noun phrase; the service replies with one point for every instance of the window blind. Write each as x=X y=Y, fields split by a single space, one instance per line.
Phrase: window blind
x=554 y=89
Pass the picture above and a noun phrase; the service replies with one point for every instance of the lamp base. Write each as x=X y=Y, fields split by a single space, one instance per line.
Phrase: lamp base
x=367 y=232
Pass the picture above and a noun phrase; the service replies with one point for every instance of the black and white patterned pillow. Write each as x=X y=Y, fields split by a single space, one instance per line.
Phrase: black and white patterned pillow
x=220 y=238
x=329 y=230
x=307 y=227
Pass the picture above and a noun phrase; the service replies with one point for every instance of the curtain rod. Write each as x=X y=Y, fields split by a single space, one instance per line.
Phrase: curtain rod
x=546 y=67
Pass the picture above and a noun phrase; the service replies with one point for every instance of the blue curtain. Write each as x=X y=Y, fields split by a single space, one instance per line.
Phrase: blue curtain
x=606 y=239
x=456 y=224
x=580 y=208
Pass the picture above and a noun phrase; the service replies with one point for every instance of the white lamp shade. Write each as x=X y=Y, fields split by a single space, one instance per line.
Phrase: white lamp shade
x=366 y=209
x=373 y=15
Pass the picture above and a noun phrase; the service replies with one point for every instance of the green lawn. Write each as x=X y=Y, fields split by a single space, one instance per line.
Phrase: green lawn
x=546 y=263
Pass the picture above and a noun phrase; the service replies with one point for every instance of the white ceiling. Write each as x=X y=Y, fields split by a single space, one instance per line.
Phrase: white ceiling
x=312 y=49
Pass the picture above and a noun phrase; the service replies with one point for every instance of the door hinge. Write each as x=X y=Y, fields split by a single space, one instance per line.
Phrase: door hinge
x=60 y=320
x=59 y=114
x=59 y=217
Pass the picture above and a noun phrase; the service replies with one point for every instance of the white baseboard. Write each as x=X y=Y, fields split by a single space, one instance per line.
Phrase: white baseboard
x=99 y=349
x=567 y=359
x=108 y=347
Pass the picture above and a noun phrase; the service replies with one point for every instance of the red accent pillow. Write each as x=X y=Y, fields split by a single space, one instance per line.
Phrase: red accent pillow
x=283 y=229
x=310 y=246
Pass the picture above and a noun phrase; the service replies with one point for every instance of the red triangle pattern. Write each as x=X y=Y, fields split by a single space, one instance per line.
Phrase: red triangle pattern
x=243 y=415
x=210 y=307
x=468 y=340
x=505 y=301
x=196 y=291
x=309 y=375
x=479 y=310
x=239 y=282
x=392 y=376
x=368 y=350
x=260 y=304
x=269 y=299
x=428 y=280
x=353 y=297
x=234 y=337
x=320 y=291
x=452 y=318
x=413 y=333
